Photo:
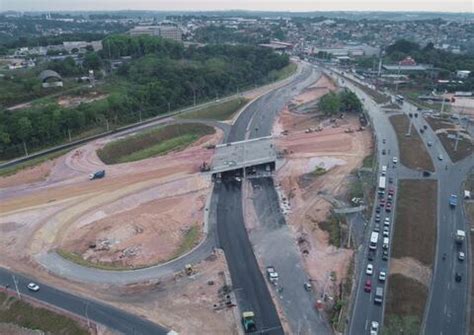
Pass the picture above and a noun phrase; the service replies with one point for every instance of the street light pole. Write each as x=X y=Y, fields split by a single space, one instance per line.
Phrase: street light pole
x=16 y=287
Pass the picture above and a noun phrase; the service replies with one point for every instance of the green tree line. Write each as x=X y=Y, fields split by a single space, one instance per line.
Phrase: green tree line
x=161 y=76
x=344 y=101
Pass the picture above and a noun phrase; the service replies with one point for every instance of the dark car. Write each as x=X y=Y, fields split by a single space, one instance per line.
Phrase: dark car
x=388 y=207
x=371 y=255
x=422 y=130
x=426 y=173
x=385 y=255
x=416 y=114
x=377 y=217
x=384 y=141
x=458 y=277
x=390 y=180
x=425 y=126
x=384 y=152
x=377 y=209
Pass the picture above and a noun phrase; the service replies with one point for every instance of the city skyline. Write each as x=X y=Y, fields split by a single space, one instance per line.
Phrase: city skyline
x=465 y=6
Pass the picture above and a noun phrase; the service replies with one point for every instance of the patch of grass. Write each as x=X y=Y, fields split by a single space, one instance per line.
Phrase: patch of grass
x=463 y=150
x=283 y=73
x=405 y=305
x=333 y=227
x=152 y=143
x=378 y=97
x=36 y=318
x=413 y=153
x=438 y=123
x=319 y=171
x=368 y=161
x=415 y=225
x=191 y=238
x=75 y=258
x=11 y=170
x=219 y=111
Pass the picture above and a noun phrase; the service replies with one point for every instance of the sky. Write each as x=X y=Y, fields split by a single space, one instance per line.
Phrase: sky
x=267 y=5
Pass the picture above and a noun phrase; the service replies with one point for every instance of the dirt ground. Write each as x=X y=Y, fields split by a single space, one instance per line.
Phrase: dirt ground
x=28 y=175
x=74 y=101
x=333 y=149
x=188 y=305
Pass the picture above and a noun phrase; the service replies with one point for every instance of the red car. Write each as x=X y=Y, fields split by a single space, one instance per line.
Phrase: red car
x=368 y=286
x=391 y=191
x=382 y=202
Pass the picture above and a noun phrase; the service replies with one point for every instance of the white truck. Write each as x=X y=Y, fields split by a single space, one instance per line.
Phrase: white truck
x=460 y=236
x=374 y=238
x=382 y=183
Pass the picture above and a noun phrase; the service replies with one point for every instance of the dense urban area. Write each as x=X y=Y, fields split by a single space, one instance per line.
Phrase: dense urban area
x=236 y=172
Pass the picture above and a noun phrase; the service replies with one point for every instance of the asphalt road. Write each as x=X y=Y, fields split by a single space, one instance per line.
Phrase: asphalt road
x=88 y=309
x=447 y=305
x=249 y=284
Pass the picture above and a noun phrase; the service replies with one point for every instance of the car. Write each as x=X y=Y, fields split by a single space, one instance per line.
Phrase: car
x=368 y=285
x=426 y=173
x=388 y=207
x=382 y=275
x=370 y=269
x=307 y=286
x=385 y=255
x=422 y=130
x=384 y=151
x=430 y=143
x=389 y=197
x=391 y=191
x=458 y=277
x=386 y=222
x=371 y=255
x=390 y=180
x=377 y=227
x=382 y=202
x=386 y=231
x=416 y=114
x=377 y=209
x=425 y=127
x=461 y=256
x=384 y=141
x=440 y=157
x=374 y=328
x=395 y=160
x=377 y=217
x=33 y=287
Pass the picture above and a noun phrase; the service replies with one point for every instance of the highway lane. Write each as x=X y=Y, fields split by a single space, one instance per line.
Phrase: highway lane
x=86 y=308
x=446 y=311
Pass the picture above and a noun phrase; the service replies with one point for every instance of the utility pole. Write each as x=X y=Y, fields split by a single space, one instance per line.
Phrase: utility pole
x=442 y=103
x=107 y=124
x=24 y=148
x=457 y=141
x=16 y=287
x=169 y=107
x=87 y=316
x=69 y=134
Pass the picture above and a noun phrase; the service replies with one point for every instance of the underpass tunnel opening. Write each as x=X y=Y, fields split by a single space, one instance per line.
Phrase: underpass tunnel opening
x=251 y=171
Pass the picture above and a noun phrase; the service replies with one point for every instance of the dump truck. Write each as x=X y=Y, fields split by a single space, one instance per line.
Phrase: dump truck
x=97 y=175
x=248 y=321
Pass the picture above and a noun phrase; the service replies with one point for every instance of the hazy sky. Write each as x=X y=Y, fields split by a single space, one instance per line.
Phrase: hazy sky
x=275 y=5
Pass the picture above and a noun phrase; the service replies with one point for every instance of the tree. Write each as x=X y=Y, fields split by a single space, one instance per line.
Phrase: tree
x=24 y=129
x=329 y=104
x=92 y=61
x=350 y=102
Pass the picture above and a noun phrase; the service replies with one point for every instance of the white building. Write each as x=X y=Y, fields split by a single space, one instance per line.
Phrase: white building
x=169 y=32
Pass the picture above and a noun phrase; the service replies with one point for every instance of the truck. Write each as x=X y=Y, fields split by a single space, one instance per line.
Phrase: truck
x=374 y=238
x=248 y=321
x=97 y=175
x=378 y=299
x=460 y=236
x=453 y=200
x=382 y=183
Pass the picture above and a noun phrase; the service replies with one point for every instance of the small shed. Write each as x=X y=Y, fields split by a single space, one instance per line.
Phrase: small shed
x=50 y=78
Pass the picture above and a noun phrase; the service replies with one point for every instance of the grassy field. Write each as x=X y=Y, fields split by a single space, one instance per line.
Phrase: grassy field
x=464 y=149
x=413 y=153
x=153 y=143
x=8 y=171
x=30 y=317
x=415 y=225
x=437 y=123
x=191 y=238
x=405 y=305
x=283 y=73
x=219 y=112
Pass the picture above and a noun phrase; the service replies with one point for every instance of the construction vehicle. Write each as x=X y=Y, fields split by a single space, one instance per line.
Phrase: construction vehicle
x=97 y=175
x=188 y=268
x=248 y=320
x=205 y=167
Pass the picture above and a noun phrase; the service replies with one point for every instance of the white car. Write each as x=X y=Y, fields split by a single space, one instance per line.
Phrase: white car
x=395 y=160
x=374 y=328
x=461 y=256
x=386 y=222
x=370 y=269
x=33 y=287
x=386 y=231
x=382 y=275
